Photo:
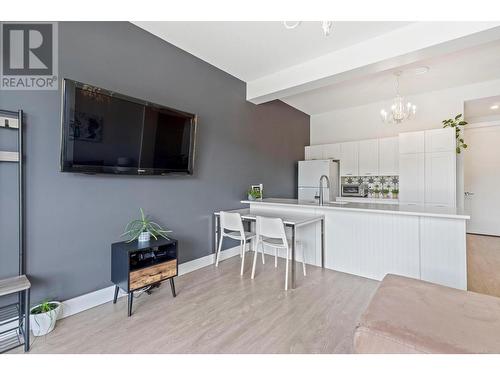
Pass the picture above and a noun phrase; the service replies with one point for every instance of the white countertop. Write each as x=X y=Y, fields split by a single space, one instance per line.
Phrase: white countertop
x=401 y=209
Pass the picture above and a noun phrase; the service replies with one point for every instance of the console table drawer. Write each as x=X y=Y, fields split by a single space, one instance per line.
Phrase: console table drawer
x=150 y=275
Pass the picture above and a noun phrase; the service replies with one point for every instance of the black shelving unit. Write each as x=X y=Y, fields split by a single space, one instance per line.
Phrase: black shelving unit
x=14 y=318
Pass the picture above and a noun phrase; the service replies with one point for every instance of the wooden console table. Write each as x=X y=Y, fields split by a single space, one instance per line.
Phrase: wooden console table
x=136 y=265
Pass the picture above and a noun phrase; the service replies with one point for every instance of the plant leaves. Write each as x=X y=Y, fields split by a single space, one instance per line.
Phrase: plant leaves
x=458 y=116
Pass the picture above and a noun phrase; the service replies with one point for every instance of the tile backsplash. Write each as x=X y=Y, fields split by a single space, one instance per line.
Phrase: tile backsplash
x=389 y=182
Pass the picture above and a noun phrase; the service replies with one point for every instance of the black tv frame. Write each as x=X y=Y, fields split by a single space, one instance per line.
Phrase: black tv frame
x=69 y=84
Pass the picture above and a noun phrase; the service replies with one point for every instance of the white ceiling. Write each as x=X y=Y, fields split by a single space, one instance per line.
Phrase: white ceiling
x=256 y=51
x=250 y=50
x=460 y=68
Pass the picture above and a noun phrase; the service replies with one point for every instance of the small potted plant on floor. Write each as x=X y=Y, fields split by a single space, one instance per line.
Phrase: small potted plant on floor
x=43 y=317
x=385 y=192
x=395 y=193
x=142 y=229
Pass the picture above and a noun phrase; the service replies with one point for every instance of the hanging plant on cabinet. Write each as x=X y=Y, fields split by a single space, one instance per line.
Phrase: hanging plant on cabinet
x=458 y=123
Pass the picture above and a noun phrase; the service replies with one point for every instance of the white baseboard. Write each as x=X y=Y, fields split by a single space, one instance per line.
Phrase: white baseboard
x=87 y=301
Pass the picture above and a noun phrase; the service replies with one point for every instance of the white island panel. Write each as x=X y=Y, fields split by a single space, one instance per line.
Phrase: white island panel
x=372 y=240
x=372 y=245
x=443 y=252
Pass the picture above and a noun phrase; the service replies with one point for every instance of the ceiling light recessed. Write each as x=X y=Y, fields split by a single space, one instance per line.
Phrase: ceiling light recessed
x=495 y=106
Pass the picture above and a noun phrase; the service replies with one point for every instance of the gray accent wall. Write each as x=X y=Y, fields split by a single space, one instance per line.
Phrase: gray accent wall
x=73 y=218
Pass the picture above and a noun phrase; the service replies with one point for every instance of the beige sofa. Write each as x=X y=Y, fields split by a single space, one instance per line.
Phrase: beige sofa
x=412 y=316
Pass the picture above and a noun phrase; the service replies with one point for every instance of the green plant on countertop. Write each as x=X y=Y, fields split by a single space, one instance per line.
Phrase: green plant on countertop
x=254 y=193
x=376 y=190
x=144 y=224
x=44 y=307
x=385 y=192
x=458 y=123
x=395 y=193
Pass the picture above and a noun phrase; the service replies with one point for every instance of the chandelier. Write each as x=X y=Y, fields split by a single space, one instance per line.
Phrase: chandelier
x=327 y=26
x=400 y=110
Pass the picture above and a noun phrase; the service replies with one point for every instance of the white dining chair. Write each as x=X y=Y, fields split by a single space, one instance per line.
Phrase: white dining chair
x=232 y=223
x=271 y=232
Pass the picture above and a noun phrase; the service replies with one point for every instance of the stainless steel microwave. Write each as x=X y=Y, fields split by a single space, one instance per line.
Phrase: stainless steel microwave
x=354 y=190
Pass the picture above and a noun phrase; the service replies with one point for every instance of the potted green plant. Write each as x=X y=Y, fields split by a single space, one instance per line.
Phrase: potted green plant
x=385 y=192
x=43 y=317
x=253 y=194
x=142 y=229
x=457 y=123
x=370 y=193
x=395 y=193
x=376 y=190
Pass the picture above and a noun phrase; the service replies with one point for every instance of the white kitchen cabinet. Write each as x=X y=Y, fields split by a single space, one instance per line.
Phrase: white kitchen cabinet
x=368 y=157
x=440 y=140
x=388 y=156
x=332 y=151
x=349 y=159
x=314 y=152
x=412 y=178
x=412 y=142
x=440 y=178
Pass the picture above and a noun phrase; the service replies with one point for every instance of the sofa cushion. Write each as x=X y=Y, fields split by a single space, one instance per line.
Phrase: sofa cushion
x=413 y=316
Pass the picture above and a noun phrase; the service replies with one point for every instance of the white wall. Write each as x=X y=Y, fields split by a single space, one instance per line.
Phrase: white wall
x=364 y=122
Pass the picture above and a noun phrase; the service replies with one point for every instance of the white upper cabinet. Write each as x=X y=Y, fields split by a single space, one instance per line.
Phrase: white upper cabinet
x=411 y=143
x=440 y=178
x=388 y=159
x=349 y=159
x=368 y=157
x=332 y=151
x=411 y=178
x=314 y=152
x=440 y=140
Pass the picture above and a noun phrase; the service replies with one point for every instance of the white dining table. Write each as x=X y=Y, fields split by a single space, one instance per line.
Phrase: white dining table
x=293 y=221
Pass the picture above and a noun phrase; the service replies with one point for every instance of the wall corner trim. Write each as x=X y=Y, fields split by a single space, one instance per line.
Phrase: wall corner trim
x=87 y=301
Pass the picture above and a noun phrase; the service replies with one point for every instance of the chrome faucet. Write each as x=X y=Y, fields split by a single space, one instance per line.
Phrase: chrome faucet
x=321 y=198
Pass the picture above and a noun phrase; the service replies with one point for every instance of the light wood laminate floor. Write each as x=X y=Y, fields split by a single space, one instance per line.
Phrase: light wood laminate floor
x=217 y=311
x=483 y=264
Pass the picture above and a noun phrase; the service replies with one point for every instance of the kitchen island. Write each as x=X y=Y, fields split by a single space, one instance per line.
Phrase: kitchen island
x=371 y=240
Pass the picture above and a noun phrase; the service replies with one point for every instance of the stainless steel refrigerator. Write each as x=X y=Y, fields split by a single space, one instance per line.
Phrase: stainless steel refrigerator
x=310 y=172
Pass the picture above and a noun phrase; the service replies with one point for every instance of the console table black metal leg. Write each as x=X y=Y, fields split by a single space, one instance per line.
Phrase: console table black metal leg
x=116 y=293
x=130 y=301
x=172 y=286
x=27 y=320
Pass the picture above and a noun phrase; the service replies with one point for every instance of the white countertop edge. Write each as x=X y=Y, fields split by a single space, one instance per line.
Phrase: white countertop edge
x=351 y=206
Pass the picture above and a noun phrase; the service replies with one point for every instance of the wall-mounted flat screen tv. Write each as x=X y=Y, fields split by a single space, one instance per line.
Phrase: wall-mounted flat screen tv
x=106 y=132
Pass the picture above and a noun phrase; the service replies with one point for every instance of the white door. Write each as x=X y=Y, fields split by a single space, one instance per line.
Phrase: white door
x=439 y=140
x=388 y=159
x=313 y=152
x=482 y=179
x=310 y=172
x=349 y=159
x=411 y=142
x=332 y=151
x=311 y=194
x=411 y=178
x=440 y=178
x=368 y=157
